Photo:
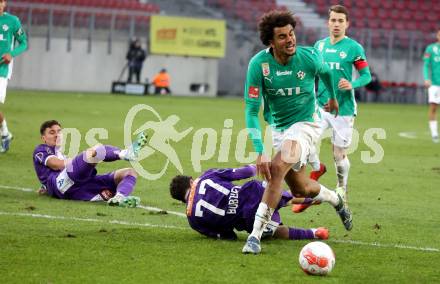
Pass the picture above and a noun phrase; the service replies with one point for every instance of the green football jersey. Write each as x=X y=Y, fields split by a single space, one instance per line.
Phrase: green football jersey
x=432 y=63
x=10 y=33
x=287 y=90
x=341 y=57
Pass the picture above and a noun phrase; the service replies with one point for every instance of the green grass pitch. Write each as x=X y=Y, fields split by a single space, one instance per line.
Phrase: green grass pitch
x=43 y=240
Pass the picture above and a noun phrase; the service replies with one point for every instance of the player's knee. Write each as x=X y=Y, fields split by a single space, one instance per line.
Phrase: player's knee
x=339 y=153
x=278 y=169
x=131 y=172
x=308 y=187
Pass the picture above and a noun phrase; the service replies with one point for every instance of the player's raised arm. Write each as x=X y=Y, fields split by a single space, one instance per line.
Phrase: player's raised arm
x=238 y=173
x=253 y=96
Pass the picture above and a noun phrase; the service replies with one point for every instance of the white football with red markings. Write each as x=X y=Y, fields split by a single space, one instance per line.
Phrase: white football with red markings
x=317 y=258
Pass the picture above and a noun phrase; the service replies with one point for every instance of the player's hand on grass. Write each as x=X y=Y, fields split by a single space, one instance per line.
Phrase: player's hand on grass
x=6 y=58
x=332 y=106
x=427 y=83
x=263 y=167
x=42 y=191
x=345 y=85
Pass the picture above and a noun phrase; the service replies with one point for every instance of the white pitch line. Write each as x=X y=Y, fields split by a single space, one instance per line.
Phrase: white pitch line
x=155 y=209
x=119 y=222
x=409 y=135
x=148 y=208
x=17 y=188
x=374 y=244
x=384 y=245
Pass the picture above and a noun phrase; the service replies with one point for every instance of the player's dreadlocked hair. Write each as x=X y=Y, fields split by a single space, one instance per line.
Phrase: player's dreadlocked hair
x=178 y=186
x=48 y=124
x=271 y=20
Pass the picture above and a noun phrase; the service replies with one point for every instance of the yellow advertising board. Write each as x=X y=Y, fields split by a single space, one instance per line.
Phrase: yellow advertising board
x=187 y=36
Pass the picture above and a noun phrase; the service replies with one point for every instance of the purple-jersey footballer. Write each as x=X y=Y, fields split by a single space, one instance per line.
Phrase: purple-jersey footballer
x=216 y=206
x=77 y=178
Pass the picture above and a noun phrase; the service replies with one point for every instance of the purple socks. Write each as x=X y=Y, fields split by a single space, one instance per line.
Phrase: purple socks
x=300 y=234
x=126 y=186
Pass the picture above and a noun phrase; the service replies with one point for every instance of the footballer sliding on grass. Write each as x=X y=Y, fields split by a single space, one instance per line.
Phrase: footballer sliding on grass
x=77 y=178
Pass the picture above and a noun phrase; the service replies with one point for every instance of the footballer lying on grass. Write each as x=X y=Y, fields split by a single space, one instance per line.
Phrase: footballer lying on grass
x=216 y=206
x=77 y=178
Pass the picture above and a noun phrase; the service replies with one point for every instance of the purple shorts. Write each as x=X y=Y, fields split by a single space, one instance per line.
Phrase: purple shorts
x=103 y=185
x=87 y=185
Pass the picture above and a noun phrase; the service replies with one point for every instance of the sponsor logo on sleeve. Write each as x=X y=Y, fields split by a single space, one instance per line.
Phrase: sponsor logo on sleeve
x=321 y=46
x=265 y=68
x=253 y=92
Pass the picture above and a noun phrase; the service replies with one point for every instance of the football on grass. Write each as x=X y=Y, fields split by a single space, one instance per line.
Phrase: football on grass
x=317 y=258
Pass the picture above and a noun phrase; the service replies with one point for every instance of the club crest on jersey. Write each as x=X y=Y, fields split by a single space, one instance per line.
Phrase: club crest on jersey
x=5 y=27
x=435 y=49
x=266 y=69
x=39 y=156
x=301 y=75
x=342 y=54
x=321 y=46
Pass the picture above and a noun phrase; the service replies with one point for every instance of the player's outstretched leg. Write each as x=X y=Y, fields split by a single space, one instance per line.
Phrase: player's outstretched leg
x=314 y=175
x=132 y=152
x=318 y=170
x=306 y=203
x=306 y=187
x=320 y=233
x=126 y=181
x=343 y=210
x=337 y=199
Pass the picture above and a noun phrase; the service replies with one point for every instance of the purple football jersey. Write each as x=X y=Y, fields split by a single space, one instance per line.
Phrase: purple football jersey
x=45 y=174
x=86 y=185
x=216 y=206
